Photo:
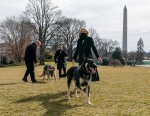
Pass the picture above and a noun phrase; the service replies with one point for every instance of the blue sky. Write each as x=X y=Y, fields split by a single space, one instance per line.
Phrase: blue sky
x=106 y=16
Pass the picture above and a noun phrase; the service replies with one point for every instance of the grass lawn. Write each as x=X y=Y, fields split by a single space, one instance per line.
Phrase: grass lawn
x=122 y=91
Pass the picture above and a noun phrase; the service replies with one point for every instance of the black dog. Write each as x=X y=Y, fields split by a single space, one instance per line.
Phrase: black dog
x=82 y=76
x=49 y=71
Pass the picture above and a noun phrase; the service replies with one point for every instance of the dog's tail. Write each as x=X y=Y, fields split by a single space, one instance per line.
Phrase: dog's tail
x=63 y=75
x=40 y=75
x=43 y=73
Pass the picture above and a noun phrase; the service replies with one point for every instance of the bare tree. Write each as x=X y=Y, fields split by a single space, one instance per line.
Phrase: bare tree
x=95 y=35
x=108 y=46
x=44 y=16
x=132 y=55
x=97 y=40
x=148 y=55
x=104 y=46
x=16 y=33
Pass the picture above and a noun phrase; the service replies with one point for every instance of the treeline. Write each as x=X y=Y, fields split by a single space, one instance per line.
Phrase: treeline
x=42 y=20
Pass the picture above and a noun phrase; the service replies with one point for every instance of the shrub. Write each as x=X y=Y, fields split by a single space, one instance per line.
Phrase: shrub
x=48 y=55
x=131 y=62
x=11 y=62
x=123 y=61
x=105 y=61
x=5 y=60
x=115 y=63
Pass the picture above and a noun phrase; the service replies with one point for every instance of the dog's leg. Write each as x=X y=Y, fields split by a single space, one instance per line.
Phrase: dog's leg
x=69 y=93
x=75 y=91
x=77 y=83
x=69 y=84
x=88 y=95
x=43 y=77
x=48 y=77
x=81 y=91
x=44 y=72
x=55 y=77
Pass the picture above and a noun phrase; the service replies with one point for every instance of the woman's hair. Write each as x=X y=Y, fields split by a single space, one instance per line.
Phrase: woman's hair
x=84 y=30
x=37 y=42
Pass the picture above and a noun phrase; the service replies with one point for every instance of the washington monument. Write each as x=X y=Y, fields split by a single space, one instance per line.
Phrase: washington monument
x=124 y=43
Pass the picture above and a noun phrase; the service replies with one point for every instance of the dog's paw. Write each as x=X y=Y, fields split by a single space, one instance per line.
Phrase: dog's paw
x=69 y=98
x=76 y=95
x=88 y=102
x=82 y=95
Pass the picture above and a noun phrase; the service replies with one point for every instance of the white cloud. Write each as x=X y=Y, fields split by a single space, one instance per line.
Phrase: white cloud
x=106 y=16
x=10 y=8
x=63 y=4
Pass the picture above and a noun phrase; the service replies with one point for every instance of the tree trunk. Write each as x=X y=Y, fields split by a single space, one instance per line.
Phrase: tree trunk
x=19 y=59
x=41 y=55
x=70 y=54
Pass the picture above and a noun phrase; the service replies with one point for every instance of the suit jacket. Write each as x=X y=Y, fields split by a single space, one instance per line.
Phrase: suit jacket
x=60 y=56
x=30 y=54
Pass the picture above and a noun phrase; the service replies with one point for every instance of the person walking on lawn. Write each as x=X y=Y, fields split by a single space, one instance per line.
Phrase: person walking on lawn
x=30 y=60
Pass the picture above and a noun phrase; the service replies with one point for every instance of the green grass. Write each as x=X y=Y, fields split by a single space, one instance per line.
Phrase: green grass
x=122 y=91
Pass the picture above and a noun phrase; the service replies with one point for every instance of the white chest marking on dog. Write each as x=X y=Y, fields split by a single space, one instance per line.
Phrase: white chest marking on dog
x=81 y=80
x=86 y=64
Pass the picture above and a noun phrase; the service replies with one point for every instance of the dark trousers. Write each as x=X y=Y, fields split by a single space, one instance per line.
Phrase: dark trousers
x=60 y=70
x=61 y=66
x=30 y=70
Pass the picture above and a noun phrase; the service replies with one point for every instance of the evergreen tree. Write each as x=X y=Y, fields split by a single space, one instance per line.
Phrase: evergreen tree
x=140 y=51
x=117 y=54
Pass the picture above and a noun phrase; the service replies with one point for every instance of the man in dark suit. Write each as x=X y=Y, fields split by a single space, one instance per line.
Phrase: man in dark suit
x=30 y=60
x=60 y=59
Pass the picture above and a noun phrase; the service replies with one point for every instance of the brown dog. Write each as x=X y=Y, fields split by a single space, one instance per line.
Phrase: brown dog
x=49 y=71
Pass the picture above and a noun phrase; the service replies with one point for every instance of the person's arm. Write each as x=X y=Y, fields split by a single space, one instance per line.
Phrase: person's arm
x=33 y=53
x=94 y=48
x=55 y=57
x=76 y=51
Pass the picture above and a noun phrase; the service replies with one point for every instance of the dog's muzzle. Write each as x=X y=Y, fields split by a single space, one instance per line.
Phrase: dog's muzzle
x=93 y=70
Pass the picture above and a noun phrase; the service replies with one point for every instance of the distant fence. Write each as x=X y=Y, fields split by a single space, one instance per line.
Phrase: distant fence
x=146 y=62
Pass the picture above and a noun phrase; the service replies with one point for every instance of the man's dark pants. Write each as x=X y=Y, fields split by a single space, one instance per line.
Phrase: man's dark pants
x=30 y=70
x=61 y=66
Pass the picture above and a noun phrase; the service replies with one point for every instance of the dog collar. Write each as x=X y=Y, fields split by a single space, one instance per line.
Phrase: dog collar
x=85 y=71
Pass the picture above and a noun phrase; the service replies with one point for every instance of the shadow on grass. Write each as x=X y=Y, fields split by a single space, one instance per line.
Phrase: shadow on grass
x=55 y=104
x=10 y=83
x=15 y=83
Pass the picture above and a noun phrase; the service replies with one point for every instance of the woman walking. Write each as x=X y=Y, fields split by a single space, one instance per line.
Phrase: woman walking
x=84 y=45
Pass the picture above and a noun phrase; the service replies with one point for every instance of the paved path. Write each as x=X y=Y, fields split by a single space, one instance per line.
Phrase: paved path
x=143 y=65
